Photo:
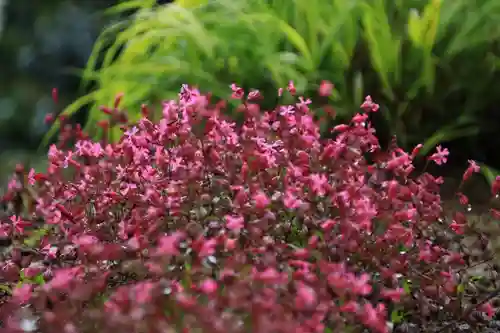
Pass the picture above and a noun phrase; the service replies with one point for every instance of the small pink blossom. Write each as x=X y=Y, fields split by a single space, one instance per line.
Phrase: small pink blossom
x=63 y=278
x=325 y=88
x=291 y=88
x=254 y=95
x=208 y=286
x=441 y=156
x=394 y=295
x=374 y=318
x=473 y=168
x=22 y=294
x=238 y=93
x=207 y=248
x=19 y=224
x=340 y=128
x=369 y=106
x=462 y=198
x=235 y=223
x=457 y=228
x=50 y=251
x=269 y=275
x=319 y=184
x=31 y=177
x=168 y=245
x=261 y=200
x=488 y=309
x=306 y=296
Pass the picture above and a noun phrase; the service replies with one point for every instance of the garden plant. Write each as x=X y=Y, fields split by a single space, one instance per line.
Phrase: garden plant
x=193 y=223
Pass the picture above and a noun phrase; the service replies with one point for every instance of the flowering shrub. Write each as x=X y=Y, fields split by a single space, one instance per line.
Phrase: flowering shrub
x=195 y=224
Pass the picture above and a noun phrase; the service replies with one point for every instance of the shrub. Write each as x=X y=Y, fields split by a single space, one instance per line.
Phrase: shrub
x=194 y=224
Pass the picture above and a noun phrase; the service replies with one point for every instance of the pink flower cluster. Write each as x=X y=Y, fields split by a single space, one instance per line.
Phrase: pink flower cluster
x=196 y=224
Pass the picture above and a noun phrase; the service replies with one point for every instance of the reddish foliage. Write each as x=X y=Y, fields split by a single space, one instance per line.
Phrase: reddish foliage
x=264 y=227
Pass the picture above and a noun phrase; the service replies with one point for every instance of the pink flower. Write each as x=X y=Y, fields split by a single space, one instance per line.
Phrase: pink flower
x=441 y=156
x=207 y=248
x=19 y=224
x=328 y=225
x=208 y=286
x=458 y=228
x=462 y=198
x=306 y=296
x=361 y=285
x=235 y=222
x=86 y=240
x=291 y=201
x=254 y=95
x=22 y=294
x=473 y=167
x=374 y=318
x=394 y=295
x=291 y=88
x=416 y=150
x=350 y=307
x=319 y=184
x=50 y=251
x=143 y=292
x=398 y=162
x=340 y=128
x=31 y=177
x=168 y=245
x=33 y=270
x=261 y=200
x=238 y=93
x=325 y=88
x=488 y=309
x=64 y=277
x=269 y=275
x=369 y=106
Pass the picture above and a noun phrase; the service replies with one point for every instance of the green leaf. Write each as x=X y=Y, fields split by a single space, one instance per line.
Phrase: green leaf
x=489 y=173
x=6 y=288
x=35 y=237
x=429 y=72
x=384 y=46
x=476 y=278
x=129 y=5
x=358 y=88
x=397 y=316
x=414 y=27
x=298 y=41
x=430 y=20
x=191 y=3
x=38 y=279
x=407 y=286
x=447 y=134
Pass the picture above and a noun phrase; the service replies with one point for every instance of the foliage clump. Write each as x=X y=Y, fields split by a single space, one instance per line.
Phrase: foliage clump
x=197 y=224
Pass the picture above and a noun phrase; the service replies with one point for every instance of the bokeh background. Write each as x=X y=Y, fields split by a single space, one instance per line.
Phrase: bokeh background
x=42 y=45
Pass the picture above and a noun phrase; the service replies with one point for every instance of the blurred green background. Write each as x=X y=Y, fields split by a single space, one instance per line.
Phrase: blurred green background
x=432 y=65
x=41 y=45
